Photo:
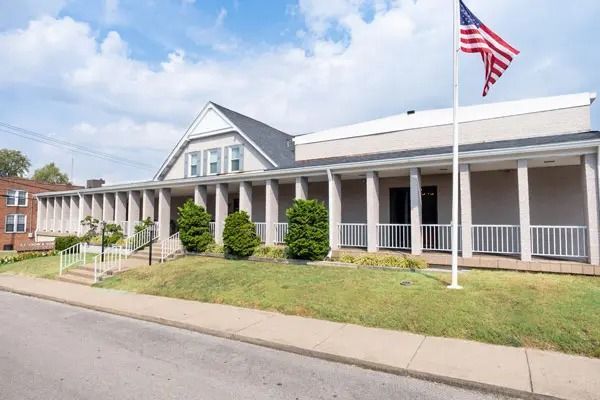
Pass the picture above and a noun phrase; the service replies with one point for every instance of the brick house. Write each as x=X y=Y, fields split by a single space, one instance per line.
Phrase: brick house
x=18 y=210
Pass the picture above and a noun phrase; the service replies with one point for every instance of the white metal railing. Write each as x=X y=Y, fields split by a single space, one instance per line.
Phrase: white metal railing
x=140 y=239
x=71 y=256
x=211 y=228
x=281 y=229
x=110 y=260
x=393 y=236
x=170 y=246
x=261 y=231
x=559 y=241
x=437 y=237
x=501 y=239
x=352 y=235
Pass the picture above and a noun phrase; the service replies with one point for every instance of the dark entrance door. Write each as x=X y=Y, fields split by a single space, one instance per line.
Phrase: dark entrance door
x=400 y=205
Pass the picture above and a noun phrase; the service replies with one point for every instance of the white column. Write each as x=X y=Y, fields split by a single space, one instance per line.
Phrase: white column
x=524 y=219
x=301 y=188
x=415 y=211
x=133 y=211
x=120 y=207
x=335 y=209
x=40 y=224
x=201 y=196
x=246 y=197
x=466 y=215
x=50 y=214
x=85 y=208
x=97 y=206
x=271 y=209
x=74 y=218
x=221 y=202
x=148 y=204
x=590 y=191
x=164 y=213
x=57 y=214
x=372 y=210
x=108 y=207
x=65 y=218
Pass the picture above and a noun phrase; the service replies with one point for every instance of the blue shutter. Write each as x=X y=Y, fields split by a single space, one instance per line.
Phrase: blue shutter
x=205 y=163
x=226 y=159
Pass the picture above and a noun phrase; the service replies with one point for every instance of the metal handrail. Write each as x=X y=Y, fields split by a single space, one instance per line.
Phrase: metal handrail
x=170 y=246
x=72 y=255
x=140 y=239
x=107 y=261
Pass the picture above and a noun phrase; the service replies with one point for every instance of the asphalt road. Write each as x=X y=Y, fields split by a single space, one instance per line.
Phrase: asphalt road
x=54 y=351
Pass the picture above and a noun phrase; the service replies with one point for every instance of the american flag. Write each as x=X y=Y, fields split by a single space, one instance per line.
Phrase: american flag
x=475 y=37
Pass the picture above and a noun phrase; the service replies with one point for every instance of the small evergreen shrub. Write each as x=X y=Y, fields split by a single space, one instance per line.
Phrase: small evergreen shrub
x=64 y=242
x=270 y=252
x=308 y=230
x=239 y=235
x=193 y=223
x=384 y=260
x=215 y=248
x=113 y=233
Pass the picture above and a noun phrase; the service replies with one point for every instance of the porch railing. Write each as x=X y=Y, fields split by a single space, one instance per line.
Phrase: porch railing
x=170 y=246
x=110 y=260
x=71 y=256
x=393 y=236
x=501 y=239
x=140 y=239
x=437 y=237
x=281 y=229
x=261 y=231
x=211 y=228
x=559 y=241
x=352 y=235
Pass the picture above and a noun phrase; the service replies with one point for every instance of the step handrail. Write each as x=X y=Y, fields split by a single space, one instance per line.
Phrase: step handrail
x=140 y=239
x=72 y=256
x=109 y=260
x=170 y=246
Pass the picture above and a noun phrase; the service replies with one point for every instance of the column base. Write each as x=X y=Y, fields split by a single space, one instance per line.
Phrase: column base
x=455 y=287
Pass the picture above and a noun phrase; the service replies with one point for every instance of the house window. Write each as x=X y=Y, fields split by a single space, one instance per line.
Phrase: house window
x=15 y=223
x=213 y=161
x=235 y=158
x=194 y=164
x=16 y=198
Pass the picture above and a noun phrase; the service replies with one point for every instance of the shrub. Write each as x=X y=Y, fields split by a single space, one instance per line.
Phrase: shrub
x=270 y=252
x=239 y=235
x=215 y=248
x=385 y=260
x=25 y=256
x=92 y=228
x=140 y=226
x=194 y=231
x=113 y=233
x=64 y=242
x=308 y=230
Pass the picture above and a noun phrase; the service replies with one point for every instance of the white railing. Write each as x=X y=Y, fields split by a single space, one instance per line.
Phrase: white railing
x=559 y=241
x=110 y=260
x=71 y=256
x=170 y=246
x=261 y=231
x=140 y=239
x=281 y=229
x=352 y=235
x=393 y=236
x=501 y=239
x=437 y=237
x=211 y=228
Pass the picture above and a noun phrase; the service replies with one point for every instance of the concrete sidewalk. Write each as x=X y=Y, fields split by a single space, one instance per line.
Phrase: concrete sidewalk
x=515 y=371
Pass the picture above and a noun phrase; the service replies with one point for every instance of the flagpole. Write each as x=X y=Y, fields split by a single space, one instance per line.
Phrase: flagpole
x=456 y=48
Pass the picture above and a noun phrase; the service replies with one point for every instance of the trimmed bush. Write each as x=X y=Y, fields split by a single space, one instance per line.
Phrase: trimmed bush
x=193 y=223
x=384 y=260
x=308 y=230
x=215 y=248
x=270 y=252
x=239 y=235
x=64 y=242
x=26 y=256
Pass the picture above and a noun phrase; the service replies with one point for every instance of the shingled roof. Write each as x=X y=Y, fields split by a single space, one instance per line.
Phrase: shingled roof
x=275 y=143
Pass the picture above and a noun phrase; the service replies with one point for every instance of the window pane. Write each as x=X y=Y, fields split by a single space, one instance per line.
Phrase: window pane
x=235 y=153
x=20 y=223
x=10 y=223
x=22 y=197
x=194 y=170
x=213 y=167
x=194 y=159
x=214 y=156
x=11 y=198
x=235 y=165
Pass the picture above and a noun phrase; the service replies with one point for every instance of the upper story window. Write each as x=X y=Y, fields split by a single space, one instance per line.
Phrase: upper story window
x=214 y=161
x=16 y=198
x=194 y=164
x=15 y=223
x=235 y=158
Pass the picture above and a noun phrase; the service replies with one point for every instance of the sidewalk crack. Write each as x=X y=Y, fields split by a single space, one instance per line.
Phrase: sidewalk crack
x=254 y=323
x=529 y=370
x=416 y=351
x=329 y=336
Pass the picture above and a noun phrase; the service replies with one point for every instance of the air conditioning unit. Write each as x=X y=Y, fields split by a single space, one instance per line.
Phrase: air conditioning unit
x=30 y=235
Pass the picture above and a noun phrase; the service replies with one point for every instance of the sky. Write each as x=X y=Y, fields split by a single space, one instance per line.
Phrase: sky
x=127 y=77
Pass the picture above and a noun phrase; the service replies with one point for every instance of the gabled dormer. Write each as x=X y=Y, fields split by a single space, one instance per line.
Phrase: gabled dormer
x=222 y=141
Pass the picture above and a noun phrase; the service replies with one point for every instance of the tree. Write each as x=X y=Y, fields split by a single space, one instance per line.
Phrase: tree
x=308 y=230
x=13 y=163
x=50 y=173
x=194 y=229
x=239 y=235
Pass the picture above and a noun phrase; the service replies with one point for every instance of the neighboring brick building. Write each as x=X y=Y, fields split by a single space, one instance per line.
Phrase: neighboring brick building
x=18 y=210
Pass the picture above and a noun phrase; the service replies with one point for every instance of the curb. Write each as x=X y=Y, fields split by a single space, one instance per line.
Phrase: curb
x=461 y=383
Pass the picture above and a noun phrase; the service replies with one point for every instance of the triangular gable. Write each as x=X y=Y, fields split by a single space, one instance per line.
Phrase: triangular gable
x=210 y=121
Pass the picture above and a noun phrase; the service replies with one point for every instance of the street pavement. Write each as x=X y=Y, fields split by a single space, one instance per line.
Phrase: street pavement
x=50 y=351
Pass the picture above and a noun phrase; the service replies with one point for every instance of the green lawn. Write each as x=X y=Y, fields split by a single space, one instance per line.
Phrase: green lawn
x=41 y=267
x=556 y=312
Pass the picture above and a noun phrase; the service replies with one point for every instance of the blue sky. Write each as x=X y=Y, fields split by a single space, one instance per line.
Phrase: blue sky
x=127 y=77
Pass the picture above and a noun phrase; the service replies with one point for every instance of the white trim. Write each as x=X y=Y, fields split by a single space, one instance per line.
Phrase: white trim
x=219 y=153
x=230 y=158
x=198 y=155
x=15 y=223
x=17 y=191
x=430 y=118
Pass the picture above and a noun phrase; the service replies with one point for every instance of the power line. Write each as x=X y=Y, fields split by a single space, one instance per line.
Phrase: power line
x=59 y=143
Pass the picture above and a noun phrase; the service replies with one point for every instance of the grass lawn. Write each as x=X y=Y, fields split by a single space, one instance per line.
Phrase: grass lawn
x=556 y=312
x=41 y=267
